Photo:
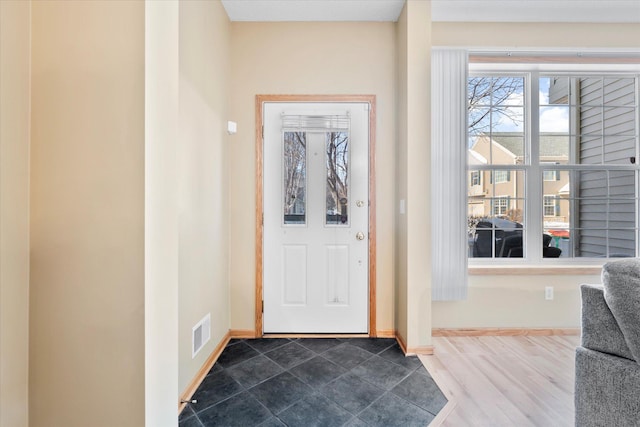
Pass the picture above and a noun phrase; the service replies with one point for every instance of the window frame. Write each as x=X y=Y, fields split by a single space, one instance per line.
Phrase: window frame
x=553 y=204
x=503 y=174
x=495 y=205
x=533 y=169
x=556 y=174
x=475 y=178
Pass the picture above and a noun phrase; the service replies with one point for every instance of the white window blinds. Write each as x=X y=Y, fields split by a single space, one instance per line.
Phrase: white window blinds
x=319 y=123
x=448 y=178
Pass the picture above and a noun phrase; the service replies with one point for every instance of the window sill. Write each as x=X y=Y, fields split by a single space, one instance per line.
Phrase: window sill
x=543 y=270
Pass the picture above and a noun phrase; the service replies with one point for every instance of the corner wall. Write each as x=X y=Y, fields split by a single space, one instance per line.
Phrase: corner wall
x=203 y=197
x=401 y=178
x=413 y=228
x=87 y=337
x=15 y=103
x=161 y=265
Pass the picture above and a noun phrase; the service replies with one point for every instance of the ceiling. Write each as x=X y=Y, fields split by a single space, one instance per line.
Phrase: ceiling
x=313 y=10
x=596 y=11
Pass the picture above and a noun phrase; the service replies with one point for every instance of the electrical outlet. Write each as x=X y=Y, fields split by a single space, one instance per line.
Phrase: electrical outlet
x=548 y=293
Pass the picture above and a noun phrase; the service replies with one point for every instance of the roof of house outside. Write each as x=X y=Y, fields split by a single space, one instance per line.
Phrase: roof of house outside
x=551 y=144
x=476 y=158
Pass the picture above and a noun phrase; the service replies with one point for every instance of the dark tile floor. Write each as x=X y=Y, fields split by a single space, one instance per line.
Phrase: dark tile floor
x=315 y=382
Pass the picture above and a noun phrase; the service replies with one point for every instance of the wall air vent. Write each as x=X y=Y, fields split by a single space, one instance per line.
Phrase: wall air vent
x=200 y=335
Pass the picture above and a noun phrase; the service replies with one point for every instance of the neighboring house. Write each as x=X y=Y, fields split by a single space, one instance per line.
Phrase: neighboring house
x=501 y=192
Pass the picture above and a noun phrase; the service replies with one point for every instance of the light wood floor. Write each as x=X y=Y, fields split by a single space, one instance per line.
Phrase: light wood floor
x=504 y=380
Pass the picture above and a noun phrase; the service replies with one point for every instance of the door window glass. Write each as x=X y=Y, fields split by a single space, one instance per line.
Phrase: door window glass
x=337 y=193
x=295 y=177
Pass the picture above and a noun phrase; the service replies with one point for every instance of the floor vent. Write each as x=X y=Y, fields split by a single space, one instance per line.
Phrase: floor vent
x=200 y=335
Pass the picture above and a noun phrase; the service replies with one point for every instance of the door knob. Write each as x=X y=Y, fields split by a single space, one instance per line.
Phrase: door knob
x=360 y=235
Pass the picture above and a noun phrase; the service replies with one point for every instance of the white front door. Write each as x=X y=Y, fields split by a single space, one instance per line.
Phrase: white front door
x=316 y=212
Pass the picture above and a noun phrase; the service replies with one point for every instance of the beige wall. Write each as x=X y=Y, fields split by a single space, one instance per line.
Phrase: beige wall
x=87 y=214
x=15 y=49
x=535 y=35
x=515 y=302
x=418 y=161
x=518 y=301
x=400 y=232
x=413 y=239
x=203 y=187
x=308 y=58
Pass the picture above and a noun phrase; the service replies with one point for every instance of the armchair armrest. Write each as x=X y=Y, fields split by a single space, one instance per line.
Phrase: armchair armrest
x=600 y=330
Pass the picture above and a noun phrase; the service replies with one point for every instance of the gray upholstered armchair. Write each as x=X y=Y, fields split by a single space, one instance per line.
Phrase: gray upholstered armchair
x=607 y=391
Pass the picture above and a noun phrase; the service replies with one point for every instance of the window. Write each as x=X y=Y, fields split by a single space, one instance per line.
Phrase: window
x=294 y=177
x=500 y=206
x=337 y=170
x=475 y=178
x=550 y=175
x=549 y=205
x=500 y=176
x=559 y=150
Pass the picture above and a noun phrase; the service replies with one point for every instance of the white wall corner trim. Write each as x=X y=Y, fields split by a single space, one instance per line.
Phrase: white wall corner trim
x=161 y=213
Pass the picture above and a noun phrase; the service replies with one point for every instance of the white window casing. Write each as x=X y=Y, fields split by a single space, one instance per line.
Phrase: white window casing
x=617 y=115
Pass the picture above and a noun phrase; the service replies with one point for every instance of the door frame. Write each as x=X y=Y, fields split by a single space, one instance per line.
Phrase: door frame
x=260 y=100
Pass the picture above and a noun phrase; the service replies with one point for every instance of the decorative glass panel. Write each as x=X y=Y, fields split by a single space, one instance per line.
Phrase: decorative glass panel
x=295 y=177
x=337 y=198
